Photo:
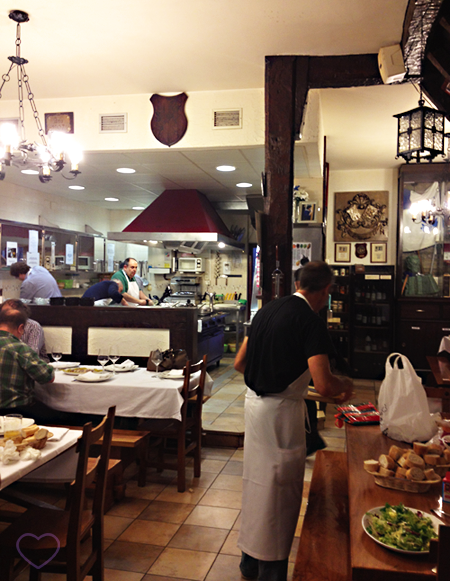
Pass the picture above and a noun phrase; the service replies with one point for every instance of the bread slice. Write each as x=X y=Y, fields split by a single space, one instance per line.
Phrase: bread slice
x=395 y=452
x=420 y=449
x=387 y=462
x=400 y=473
x=414 y=461
x=432 y=459
x=447 y=455
x=430 y=474
x=434 y=449
x=402 y=460
x=371 y=465
x=415 y=474
x=385 y=472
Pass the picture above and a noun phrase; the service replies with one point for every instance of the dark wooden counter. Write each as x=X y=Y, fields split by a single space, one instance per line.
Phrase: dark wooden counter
x=370 y=561
x=182 y=323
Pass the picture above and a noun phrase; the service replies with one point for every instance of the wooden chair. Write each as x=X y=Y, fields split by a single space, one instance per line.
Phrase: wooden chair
x=188 y=431
x=70 y=526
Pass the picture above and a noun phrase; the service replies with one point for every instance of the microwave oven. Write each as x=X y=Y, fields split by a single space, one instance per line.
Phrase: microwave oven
x=85 y=263
x=190 y=264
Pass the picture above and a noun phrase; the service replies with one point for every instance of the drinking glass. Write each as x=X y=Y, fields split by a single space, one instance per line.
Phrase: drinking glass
x=157 y=359
x=56 y=354
x=12 y=424
x=113 y=357
x=102 y=359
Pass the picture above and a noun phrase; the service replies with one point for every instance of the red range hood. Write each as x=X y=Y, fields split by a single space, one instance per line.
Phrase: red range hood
x=178 y=218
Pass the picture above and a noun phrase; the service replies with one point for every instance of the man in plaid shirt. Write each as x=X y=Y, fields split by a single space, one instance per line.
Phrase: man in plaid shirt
x=20 y=366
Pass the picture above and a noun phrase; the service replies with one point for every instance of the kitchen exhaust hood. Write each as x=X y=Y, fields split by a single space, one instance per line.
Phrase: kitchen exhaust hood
x=182 y=220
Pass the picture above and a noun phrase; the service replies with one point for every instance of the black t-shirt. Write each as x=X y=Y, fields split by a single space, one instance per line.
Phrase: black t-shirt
x=106 y=289
x=284 y=334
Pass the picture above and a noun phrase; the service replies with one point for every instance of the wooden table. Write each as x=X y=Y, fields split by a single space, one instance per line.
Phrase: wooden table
x=370 y=561
x=440 y=368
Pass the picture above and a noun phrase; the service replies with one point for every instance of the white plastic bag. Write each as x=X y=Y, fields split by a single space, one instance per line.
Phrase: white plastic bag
x=403 y=406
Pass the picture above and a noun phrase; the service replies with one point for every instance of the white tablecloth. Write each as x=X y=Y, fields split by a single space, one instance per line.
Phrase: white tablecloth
x=9 y=473
x=135 y=394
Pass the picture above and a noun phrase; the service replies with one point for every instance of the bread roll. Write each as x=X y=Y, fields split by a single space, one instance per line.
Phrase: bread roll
x=415 y=473
x=400 y=473
x=434 y=449
x=419 y=448
x=402 y=460
x=447 y=455
x=431 y=459
x=371 y=465
x=414 y=461
x=430 y=474
x=30 y=430
x=387 y=462
x=385 y=472
x=395 y=452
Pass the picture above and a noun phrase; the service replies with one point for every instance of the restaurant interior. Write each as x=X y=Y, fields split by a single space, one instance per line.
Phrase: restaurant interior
x=298 y=168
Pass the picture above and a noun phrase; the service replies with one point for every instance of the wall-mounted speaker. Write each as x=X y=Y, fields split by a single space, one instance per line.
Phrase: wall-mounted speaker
x=391 y=65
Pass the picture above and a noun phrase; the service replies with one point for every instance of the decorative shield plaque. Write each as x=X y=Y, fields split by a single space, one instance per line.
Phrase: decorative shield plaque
x=361 y=216
x=361 y=250
x=169 y=121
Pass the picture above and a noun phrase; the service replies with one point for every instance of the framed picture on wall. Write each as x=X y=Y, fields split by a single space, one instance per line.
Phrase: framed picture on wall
x=342 y=252
x=378 y=252
x=308 y=212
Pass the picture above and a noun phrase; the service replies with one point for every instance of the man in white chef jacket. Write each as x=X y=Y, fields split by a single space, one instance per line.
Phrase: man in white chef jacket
x=131 y=292
x=288 y=343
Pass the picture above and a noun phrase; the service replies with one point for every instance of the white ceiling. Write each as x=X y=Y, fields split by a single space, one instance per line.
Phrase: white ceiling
x=148 y=46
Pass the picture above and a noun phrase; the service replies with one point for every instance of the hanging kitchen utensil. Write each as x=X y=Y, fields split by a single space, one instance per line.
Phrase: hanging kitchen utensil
x=217 y=266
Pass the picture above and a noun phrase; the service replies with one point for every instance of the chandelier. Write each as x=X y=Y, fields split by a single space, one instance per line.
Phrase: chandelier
x=46 y=157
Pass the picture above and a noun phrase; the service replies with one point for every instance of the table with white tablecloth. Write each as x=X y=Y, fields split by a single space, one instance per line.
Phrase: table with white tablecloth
x=136 y=394
x=53 y=449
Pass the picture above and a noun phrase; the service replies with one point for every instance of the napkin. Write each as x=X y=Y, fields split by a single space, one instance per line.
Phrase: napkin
x=176 y=373
x=64 y=364
x=58 y=433
x=445 y=345
x=127 y=364
x=91 y=376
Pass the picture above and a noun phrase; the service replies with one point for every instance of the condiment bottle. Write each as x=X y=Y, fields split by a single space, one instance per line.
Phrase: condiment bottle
x=277 y=278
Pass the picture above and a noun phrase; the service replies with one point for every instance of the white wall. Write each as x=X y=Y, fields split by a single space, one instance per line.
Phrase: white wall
x=363 y=181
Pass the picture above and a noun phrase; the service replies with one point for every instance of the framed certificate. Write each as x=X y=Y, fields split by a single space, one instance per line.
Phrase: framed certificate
x=342 y=252
x=378 y=252
x=62 y=122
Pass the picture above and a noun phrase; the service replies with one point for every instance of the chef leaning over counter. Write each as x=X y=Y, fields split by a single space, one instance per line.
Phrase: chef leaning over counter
x=131 y=292
x=106 y=292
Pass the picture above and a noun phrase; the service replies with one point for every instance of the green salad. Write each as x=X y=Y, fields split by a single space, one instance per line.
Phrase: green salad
x=401 y=528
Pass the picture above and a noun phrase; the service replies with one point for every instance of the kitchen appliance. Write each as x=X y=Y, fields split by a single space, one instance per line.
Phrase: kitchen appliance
x=190 y=264
x=85 y=263
x=186 y=291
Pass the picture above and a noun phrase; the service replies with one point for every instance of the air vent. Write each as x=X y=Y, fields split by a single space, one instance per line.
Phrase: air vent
x=227 y=119
x=113 y=123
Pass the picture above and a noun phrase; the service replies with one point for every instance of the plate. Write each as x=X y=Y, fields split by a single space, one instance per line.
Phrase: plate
x=90 y=379
x=365 y=524
x=172 y=374
x=26 y=423
x=119 y=370
x=81 y=370
x=64 y=364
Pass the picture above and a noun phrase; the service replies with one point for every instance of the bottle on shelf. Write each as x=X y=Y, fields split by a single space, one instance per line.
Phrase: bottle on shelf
x=277 y=278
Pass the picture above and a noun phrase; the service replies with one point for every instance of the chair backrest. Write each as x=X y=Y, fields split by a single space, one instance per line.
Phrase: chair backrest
x=191 y=391
x=86 y=476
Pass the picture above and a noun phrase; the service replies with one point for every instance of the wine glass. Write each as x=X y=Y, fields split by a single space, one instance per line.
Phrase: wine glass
x=56 y=354
x=102 y=359
x=156 y=360
x=113 y=357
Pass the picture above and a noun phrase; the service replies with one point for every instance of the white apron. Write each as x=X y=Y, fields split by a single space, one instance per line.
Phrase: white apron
x=133 y=289
x=274 y=465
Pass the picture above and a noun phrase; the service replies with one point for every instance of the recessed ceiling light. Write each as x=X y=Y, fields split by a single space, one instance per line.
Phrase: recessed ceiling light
x=125 y=170
x=76 y=187
x=244 y=185
x=225 y=168
x=221 y=245
x=111 y=199
x=153 y=241
x=138 y=208
x=30 y=172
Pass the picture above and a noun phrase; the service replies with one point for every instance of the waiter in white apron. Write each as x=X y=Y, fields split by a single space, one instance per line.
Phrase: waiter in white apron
x=288 y=344
x=131 y=292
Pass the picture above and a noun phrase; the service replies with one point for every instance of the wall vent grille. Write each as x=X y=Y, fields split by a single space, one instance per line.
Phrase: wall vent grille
x=227 y=119
x=113 y=123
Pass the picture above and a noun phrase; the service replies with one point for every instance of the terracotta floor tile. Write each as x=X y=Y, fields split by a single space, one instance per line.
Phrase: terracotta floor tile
x=238 y=455
x=228 y=482
x=225 y=568
x=211 y=516
x=199 y=538
x=224 y=498
x=171 y=494
x=115 y=525
x=230 y=545
x=149 y=492
x=234 y=467
x=218 y=453
x=192 y=565
x=208 y=417
x=212 y=465
x=237 y=524
x=136 y=557
x=114 y=575
x=230 y=423
x=149 y=532
x=159 y=578
x=129 y=507
x=171 y=512
x=205 y=480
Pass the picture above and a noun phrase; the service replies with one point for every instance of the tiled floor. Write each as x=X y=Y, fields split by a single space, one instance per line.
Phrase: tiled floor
x=158 y=534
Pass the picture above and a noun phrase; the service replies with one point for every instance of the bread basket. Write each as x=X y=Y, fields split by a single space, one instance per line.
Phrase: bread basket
x=403 y=484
